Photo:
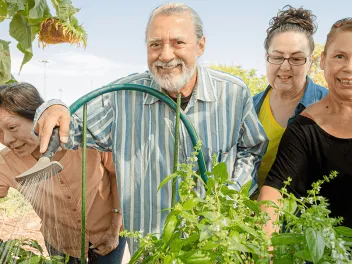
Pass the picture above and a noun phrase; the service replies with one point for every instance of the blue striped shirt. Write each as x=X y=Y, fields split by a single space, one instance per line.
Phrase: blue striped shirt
x=139 y=129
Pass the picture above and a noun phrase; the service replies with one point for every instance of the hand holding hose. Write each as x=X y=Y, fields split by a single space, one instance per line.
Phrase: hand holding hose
x=55 y=115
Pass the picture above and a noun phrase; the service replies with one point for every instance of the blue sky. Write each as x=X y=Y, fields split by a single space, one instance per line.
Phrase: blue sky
x=235 y=32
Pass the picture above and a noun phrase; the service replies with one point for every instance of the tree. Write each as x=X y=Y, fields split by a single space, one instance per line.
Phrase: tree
x=315 y=72
x=32 y=18
x=256 y=83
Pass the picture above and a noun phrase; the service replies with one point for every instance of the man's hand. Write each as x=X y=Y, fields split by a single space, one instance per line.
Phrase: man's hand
x=110 y=240
x=55 y=115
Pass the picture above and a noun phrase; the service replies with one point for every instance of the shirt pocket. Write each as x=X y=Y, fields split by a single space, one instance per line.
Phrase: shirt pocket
x=229 y=157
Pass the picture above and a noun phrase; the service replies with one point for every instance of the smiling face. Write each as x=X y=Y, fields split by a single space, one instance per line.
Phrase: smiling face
x=286 y=78
x=337 y=65
x=173 y=50
x=15 y=133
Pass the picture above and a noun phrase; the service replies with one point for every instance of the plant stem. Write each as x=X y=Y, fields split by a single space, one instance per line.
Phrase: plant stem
x=84 y=157
x=177 y=129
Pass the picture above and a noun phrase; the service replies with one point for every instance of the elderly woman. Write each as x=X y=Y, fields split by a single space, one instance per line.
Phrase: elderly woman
x=289 y=46
x=57 y=200
x=320 y=139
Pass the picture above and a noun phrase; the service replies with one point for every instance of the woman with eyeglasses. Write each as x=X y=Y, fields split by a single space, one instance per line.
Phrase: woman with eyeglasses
x=289 y=46
x=319 y=140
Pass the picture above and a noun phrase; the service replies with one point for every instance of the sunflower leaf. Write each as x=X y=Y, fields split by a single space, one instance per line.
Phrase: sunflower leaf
x=22 y=32
x=5 y=62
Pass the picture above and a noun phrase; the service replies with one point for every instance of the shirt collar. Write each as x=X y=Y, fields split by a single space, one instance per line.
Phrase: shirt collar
x=309 y=96
x=203 y=90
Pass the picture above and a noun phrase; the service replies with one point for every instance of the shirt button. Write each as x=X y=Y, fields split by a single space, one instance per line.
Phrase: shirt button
x=74 y=209
x=62 y=182
x=68 y=197
x=79 y=221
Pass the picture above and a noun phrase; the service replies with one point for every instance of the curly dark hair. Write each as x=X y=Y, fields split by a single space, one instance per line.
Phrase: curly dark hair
x=292 y=19
x=20 y=98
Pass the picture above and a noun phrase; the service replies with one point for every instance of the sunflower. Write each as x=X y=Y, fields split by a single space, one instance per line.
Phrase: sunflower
x=54 y=31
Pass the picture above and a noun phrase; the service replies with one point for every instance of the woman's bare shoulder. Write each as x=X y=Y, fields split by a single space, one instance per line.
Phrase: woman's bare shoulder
x=316 y=110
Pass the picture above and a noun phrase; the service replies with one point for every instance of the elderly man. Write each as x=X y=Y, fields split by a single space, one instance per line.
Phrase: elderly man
x=139 y=129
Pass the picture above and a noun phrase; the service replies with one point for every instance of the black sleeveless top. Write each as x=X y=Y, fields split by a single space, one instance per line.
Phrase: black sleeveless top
x=306 y=153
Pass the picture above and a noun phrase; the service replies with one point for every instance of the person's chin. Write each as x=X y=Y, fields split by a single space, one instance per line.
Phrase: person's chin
x=22 y=153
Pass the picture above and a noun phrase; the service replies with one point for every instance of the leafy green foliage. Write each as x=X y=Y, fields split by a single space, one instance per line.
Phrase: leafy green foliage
x=26 y=251
x=226 y=226
x=313 y=236
x=315 y=72
x=256 y=83
x=26 y=18
x=14 y=204
x=5 y=62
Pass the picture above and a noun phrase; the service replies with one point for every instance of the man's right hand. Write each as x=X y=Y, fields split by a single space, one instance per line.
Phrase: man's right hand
x=55 y=115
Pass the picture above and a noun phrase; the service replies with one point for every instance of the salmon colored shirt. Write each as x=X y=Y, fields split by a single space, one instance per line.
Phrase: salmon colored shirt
x=57 y=201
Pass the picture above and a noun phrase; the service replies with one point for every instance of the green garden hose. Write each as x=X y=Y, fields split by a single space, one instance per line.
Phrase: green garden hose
x=138 y=88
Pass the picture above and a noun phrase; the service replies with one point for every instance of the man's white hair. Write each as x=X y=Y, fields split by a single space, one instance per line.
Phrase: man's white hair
x=170 y=9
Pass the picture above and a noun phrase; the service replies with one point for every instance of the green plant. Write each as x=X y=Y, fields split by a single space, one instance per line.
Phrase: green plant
x=311 y=234
x=14 y=204
x=30 y=18
x=225 y=226
x=26 y=251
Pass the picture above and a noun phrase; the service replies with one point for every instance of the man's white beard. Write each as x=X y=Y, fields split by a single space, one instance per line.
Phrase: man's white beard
x=169 y=82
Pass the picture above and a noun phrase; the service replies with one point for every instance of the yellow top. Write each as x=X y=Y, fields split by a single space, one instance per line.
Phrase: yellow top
x=274 y=132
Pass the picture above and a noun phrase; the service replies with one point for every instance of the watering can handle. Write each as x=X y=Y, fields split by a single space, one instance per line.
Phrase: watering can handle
x=54 y=144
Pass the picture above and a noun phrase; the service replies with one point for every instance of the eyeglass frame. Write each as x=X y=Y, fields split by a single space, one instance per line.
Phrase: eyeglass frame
x=288 y=60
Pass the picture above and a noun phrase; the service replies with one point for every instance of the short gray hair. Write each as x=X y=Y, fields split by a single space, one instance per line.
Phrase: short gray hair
x=170 y=9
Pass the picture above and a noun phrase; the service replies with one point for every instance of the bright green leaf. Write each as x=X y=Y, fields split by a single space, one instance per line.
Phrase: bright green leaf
x=303 y=254
x=239 y=247
x=247 y=229
x=343 y=230
x=20 y=31
x=316 y=244
x=190 y=240
x=32 y=260
x=175 y=242
x=3 y=10
x=210 y=245
x=253 y=206
x=286 y=239
x=168 y=259
x=191 y=218
x=5 y=62
x=210 y=184
x=168 y=178
x=136 y=255
x=290 y=205
x=169 y=228
x=197 y=257
x=39 y=9
x=190 y=204
x=65 y=10
x=13 y=6
x=286 y=260
x=220 y=172
x=245 y=188
x=205 y=232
